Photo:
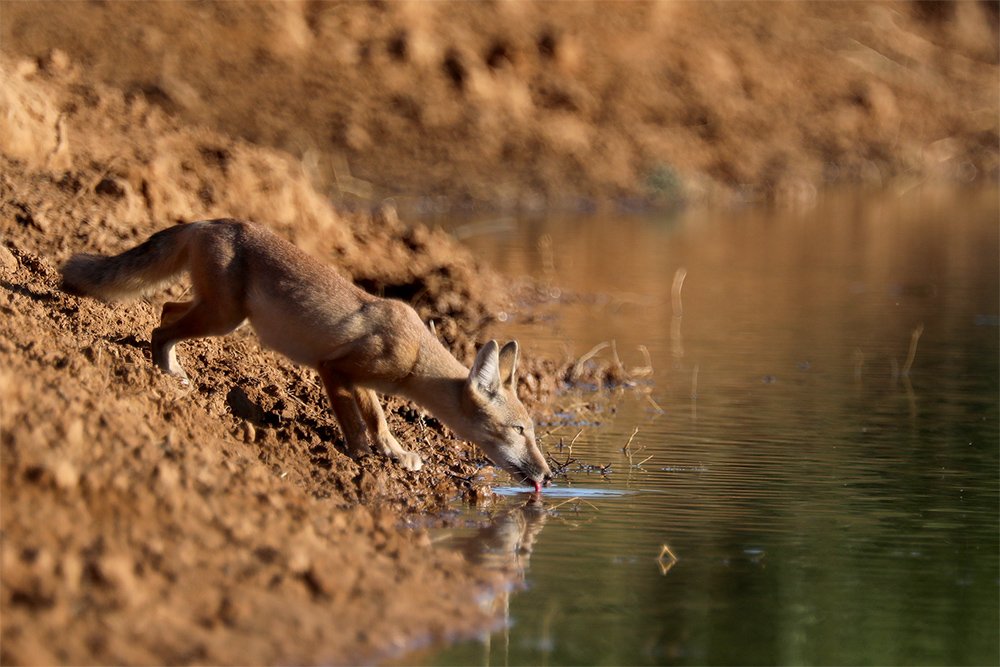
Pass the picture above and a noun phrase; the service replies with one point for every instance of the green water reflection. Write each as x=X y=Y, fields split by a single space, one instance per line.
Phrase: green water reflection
x=826 y=506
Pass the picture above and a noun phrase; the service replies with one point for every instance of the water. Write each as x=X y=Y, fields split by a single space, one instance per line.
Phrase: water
x=823 y=433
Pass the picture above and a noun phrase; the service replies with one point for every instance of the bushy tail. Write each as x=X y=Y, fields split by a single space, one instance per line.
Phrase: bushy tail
x=132 y=273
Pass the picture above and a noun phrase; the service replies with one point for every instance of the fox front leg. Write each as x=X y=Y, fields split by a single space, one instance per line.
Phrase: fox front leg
x=344 y=405
x=383 y=439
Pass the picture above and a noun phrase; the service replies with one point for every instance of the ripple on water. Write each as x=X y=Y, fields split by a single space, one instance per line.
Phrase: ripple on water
x=564 y=492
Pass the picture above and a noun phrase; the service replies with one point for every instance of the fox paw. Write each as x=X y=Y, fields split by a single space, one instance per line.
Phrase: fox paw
x=179 y=376
x=408 y=460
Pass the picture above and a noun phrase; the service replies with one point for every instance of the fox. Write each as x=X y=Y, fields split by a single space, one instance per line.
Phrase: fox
x=361 y=345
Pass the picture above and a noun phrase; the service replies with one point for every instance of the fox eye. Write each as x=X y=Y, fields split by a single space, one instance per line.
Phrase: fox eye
x=518 y=427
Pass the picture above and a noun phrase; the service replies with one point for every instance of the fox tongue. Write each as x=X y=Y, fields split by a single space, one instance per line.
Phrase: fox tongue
x=538 y=487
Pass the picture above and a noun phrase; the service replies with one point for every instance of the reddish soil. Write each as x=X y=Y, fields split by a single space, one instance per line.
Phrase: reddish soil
x=145 y=522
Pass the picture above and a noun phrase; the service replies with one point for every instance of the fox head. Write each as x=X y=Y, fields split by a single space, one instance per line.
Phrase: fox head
x=499 y=422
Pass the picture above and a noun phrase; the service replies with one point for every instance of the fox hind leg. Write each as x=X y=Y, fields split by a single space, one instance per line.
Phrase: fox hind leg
x=167 y=359
x=374 y=418
x=199 y=320
x=173 y=311
x=214 y=265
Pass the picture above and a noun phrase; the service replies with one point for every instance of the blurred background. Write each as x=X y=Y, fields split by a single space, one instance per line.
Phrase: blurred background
x=528 y=105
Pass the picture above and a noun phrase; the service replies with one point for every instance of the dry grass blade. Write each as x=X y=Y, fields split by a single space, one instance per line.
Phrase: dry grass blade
x=642 y=371
x=560 y=467
x=645 y=460
x=645 y=354
x=666 y=551
x=578 y=366
x=617 y=359
x=668 y=562
x=912 y=353
x=626 y=449
x=675 y=292
x=298 y=400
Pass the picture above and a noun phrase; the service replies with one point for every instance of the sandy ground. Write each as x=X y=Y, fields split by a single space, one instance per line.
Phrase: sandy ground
x=145 y=522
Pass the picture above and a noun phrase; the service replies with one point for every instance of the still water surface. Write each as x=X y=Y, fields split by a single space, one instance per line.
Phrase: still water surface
x=823 y=430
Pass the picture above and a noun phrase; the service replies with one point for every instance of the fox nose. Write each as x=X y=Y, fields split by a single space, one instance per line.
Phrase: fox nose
x=546 y=479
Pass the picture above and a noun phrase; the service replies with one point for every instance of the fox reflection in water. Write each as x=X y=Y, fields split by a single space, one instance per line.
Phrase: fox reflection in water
x=505 y=543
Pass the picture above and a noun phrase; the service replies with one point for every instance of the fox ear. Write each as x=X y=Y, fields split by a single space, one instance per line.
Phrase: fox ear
x=485 y=374
x=508 y=364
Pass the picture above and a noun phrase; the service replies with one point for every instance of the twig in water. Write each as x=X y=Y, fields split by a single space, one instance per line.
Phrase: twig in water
x=694 y=383
x=656 y=406
x=676 y=338
x=675 y=292
x=625 y=449
x=573 y=441
x=578 y=366
x=665 y=551
x=914 y=339
x=645 y=353
x=641 y=371
x=617 y=359
x=668 y=562
x=560 y=467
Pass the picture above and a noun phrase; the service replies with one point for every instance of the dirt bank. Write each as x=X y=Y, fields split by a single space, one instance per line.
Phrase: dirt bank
x=145 y=522
x=524 y=104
